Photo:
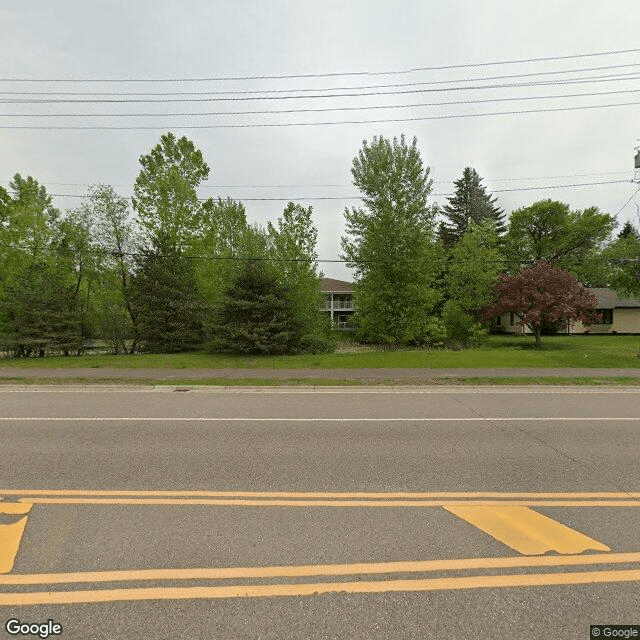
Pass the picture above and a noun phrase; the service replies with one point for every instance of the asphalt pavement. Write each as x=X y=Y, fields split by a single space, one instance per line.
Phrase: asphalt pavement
x=152 y=513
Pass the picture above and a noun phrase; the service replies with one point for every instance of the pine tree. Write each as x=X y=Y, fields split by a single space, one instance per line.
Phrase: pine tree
x=470 y=202
x=629 y=231
x=166 y=300
x=255 y=315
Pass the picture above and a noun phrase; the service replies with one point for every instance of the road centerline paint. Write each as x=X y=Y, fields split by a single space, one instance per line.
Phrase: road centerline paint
x=292 y=571
x=308 y=589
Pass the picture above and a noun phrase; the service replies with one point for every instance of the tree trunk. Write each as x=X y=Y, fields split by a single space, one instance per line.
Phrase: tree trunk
x=538 y=334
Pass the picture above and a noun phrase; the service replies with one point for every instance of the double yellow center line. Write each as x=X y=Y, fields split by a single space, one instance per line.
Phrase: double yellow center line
x=507 y=517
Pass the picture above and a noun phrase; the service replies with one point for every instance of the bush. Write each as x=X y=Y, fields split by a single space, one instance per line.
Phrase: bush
x=435 y=333
x=461 y=328
x=317 y=344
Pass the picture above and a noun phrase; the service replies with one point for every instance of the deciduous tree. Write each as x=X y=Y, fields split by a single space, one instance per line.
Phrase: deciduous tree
x=164 y=193
x=390 y=243
x=295 y=260
x=573 y=240
x=542 y=294
x=474 y=265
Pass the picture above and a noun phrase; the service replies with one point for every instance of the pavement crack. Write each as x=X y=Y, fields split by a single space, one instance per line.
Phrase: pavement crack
x=579 y=462
x=511 y=432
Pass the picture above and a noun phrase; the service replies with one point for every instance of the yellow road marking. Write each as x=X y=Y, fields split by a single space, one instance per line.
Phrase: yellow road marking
x=308 y=589
x=526 y=531
x=15 y=508
x=11 y=534
x=285 y=419
x=224 y=573
x=329 y=503
x=317 y=494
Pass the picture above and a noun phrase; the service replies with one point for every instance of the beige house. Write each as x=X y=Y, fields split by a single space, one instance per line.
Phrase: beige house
x=617 y=315
x=338 y=296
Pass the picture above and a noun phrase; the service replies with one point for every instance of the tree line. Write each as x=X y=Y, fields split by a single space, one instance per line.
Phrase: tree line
x=173 y=272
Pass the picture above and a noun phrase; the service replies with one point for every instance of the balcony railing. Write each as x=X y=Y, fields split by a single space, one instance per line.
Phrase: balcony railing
x=338 y=304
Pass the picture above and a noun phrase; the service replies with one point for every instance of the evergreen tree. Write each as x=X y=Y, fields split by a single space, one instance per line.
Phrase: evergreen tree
x=470 y=203
x=255 y=315
x=165 y=295
x=41 y=282
x=628 y=231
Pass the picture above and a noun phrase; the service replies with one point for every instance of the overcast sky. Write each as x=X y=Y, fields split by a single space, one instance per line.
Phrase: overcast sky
x=198 y=39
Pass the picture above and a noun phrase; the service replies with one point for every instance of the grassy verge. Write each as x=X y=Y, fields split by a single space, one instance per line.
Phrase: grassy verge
x=499 y=351
x=332 y=382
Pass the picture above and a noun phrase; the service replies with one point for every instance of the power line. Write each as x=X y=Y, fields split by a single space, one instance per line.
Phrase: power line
x=627 y=202
x=312 y=124
x=327 y=75
x=133 y=254
x=295 y=186
x=324 y=109
x=319 y=89
x=541 y=83
x=304 y=198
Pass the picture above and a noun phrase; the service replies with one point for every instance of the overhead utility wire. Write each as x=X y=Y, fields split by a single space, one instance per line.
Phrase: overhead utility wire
x=309 y=124
x=627 y=202
x=295 y=186
x=297 y=199
x=328 y=75
x=541 y=83
x=371 y=86
x=322 y=109
x=121 y=254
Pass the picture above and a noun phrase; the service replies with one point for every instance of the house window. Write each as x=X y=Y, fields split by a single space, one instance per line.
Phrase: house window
x=512 y=318
x=606 y=316
x=498 y=320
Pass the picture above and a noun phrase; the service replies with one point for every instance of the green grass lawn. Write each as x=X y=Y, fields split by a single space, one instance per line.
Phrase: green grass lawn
x=499 y=351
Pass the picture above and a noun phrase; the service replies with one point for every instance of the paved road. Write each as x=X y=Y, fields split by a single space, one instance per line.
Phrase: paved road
x=141 y=513
x=359 y=374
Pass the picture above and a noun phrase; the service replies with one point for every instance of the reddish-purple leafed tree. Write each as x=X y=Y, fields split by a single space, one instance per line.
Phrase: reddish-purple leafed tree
x=542 y=294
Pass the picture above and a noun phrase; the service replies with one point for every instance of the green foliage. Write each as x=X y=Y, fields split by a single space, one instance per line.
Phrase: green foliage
x=434 y=333
x=255 y=315
x=624 y=257
x=390 y=244
x=227 y=236
x=292 y=244
x=470 y=203
x=475 y=262
x=628 y=231
x=43 y=302
x=166 y=300
x=113 y=235
x=572 y=240
x=165 y=195
x=41 y=314
x=461 y=328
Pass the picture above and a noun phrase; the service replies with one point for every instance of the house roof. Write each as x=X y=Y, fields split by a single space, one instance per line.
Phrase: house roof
x=609 y=299
x=329 y=285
